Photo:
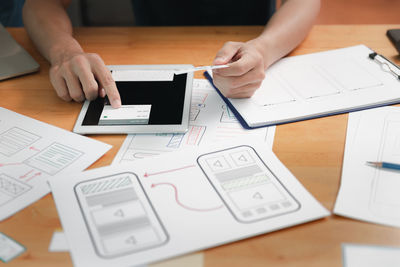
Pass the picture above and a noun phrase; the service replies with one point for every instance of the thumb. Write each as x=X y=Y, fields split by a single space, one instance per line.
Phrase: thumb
x=226 y=53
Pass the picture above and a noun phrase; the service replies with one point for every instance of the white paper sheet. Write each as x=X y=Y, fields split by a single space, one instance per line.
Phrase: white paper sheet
x=210 y=122
x=368 y=193
x=319 y=84
x=213 y=67
x=58 y=242
x=355 y=255
x=32 y=152
x=9 y=248
x=166 y=206
x=143 y=75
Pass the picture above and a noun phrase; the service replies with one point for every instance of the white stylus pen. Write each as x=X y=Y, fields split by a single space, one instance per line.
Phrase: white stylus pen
x=177 y=72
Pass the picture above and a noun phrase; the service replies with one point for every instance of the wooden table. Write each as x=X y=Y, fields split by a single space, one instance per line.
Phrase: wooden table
x=312 y=150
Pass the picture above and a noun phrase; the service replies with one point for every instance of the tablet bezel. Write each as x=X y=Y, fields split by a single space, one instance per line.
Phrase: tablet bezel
x=133 y=129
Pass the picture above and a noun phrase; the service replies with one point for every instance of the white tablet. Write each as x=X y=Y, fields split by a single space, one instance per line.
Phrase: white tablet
x=154 y=100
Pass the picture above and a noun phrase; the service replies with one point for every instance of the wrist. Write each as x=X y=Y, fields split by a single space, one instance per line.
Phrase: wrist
x=265 y=47
x=63 y=50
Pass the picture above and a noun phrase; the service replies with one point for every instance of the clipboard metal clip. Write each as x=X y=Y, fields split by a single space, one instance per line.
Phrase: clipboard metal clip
x=385 y=64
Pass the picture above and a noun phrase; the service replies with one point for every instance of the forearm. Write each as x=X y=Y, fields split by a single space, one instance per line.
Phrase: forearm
x=50 y=29
x=286 y=29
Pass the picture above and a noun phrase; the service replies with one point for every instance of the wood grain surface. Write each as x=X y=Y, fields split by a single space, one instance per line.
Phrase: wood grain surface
x=312 y=150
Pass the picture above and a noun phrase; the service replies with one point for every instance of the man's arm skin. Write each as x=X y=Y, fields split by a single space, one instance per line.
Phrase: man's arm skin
x=78 y=75
x=74 y=74
x=248 y=61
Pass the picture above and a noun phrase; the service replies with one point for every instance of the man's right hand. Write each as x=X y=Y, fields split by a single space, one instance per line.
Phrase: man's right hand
x=83 y=76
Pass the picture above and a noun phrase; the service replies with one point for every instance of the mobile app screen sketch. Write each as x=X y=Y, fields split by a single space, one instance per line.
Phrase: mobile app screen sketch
x=248 y=188
x=119 y=216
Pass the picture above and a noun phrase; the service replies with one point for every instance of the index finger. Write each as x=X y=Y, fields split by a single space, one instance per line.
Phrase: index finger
x=107 y=82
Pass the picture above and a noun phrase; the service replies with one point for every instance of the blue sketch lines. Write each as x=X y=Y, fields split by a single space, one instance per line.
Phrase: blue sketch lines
x=227 y=115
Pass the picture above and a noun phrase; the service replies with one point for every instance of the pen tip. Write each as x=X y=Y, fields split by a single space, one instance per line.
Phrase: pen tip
x=372 y=163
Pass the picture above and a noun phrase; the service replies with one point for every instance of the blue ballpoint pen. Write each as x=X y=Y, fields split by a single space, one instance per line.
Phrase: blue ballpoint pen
x=385 y=165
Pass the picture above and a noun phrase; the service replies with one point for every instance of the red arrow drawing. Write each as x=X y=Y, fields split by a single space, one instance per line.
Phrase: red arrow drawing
x=26 y=174
x=7 y=164
x=167 y=171
x=33 y=176
x=33 y=148
x=180 y=203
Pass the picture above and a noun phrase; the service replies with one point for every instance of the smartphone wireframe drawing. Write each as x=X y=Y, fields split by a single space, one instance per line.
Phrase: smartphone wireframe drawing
x=246 y=185
x=119 y=216
x=385 y=194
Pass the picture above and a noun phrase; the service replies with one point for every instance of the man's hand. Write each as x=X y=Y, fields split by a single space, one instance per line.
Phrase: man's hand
x=246 y=69
x=83 y=76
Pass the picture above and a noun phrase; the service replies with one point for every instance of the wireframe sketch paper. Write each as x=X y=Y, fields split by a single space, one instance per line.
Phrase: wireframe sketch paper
x=369 y=193
x=356 y=255
x=59 y=243
x=211 y=121
x=153 y=209
x=9 y=248
x=319 y=84
x=32 y=152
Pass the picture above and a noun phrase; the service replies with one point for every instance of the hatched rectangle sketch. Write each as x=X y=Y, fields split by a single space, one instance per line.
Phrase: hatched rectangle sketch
x=11 y=188
x=16 y=139
x=246 y=185
x=119 y=216
x=175 y=141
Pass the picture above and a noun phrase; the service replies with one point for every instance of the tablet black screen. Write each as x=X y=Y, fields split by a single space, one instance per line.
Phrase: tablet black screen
x=165 y=97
